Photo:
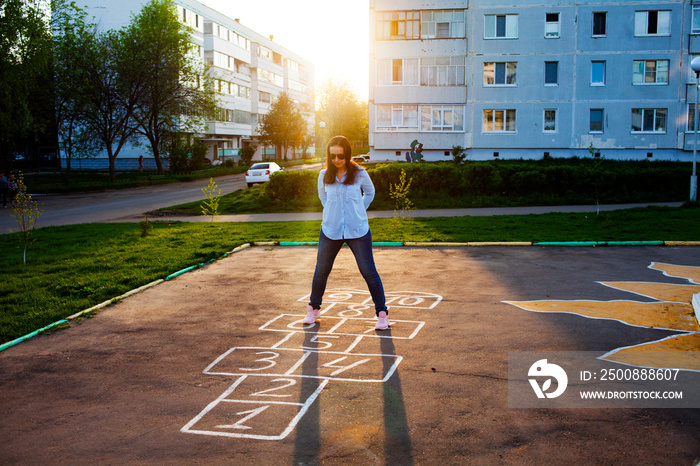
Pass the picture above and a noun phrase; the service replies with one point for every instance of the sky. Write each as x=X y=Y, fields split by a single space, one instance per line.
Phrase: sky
x=332 y=34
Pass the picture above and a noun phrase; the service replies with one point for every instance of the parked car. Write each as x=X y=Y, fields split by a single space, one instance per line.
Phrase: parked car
x=260 y=172
x=361 y=158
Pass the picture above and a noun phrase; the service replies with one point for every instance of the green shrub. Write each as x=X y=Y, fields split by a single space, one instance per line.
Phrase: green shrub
x=297 y=185
x=507 y=182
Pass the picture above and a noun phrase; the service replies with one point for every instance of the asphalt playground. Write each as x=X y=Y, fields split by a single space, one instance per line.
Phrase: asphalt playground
x=214 y=366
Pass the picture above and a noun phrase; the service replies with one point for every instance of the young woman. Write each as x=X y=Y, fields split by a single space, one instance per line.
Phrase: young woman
x=345 y=190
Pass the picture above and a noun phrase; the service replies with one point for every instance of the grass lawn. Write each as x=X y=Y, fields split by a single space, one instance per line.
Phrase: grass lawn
x=72 y=268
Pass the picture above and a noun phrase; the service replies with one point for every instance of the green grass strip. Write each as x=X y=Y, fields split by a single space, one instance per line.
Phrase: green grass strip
x=9 y=344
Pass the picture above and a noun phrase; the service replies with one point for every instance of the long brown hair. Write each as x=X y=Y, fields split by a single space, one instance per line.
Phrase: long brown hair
x=352 y=167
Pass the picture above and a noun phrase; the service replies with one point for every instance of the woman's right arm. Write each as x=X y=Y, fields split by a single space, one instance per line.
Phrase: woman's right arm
x=322 y=188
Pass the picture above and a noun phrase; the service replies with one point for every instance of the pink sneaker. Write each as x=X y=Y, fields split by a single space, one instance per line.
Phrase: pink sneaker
x=382 y=321
x=311 y=315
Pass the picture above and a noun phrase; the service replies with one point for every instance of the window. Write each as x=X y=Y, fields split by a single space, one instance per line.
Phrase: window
x=695 y=25
x=442 y=24
x=432 y=118
x=692 y=78
x=296 y=86
x=500 y=26
x=498 y=121
x=649 y=120
x=499 y=74
x=396 y=117
x=596 y=120
x=397 y=72
x=550 y=120
x=597 y=73
x=398 y=25
x=650 y=72
x=270 y=77
x=442 y=71
x=442 y=118
x=652 y=23
x=551 y=70
x=599 y=19
x=690 y=127
x=551 y=25
x=264 y=97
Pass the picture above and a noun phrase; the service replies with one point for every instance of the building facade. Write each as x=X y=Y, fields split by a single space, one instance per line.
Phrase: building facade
x=530 y=79
x=250 y=71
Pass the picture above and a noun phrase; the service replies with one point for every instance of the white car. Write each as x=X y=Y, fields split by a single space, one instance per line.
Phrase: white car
x=260 y=172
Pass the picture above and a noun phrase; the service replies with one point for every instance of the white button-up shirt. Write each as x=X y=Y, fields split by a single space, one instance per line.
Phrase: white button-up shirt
x=345 y=206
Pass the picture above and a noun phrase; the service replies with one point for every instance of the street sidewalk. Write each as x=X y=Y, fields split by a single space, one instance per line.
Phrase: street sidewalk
x=474 y=212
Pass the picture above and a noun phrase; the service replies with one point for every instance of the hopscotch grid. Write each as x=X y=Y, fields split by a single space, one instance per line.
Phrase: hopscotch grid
x=332 y=298
x=262 y=402
x=301 y=360
x=389 y=295
x=309 y=327
x=305 y=407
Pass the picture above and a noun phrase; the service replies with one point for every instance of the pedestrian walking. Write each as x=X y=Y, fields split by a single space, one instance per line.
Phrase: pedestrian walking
x=3 y=189
x=345 y=190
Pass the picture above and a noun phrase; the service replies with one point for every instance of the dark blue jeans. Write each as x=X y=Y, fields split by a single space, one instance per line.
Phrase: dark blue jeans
x=362 y=250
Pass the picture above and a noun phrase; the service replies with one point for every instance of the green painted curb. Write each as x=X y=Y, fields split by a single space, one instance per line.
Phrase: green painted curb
x=171 y=276
x=4 y=346
x=298 y=243
x=387 y=243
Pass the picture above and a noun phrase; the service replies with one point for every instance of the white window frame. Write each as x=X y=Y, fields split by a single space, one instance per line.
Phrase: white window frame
x=441 y=70
x=432 y=20
x=549 y=26
x=487 y=128
x=413 y=118
x=602 y=120
x=692 y=78
x=641 y=23
x=491 y=25
x=605 y=72
x=655 y=119
x=409 y=72
x=511 y=66
x=544 y=120
x=643 y=81
x=407 y=25
x=695 y=21
x=450 y=118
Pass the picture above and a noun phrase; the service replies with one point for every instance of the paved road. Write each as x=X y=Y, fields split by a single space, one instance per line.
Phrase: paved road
x=214 y=367
x=117 y=205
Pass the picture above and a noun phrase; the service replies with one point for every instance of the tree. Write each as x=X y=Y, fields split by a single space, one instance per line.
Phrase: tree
x=25 y=212
x=176 y=92
x=342 y=111
x=69 y=29
x=109 y=94
x=284 y=125
x=25 y=70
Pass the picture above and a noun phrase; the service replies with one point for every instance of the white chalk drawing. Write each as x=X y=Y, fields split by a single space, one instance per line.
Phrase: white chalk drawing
x=283 y=381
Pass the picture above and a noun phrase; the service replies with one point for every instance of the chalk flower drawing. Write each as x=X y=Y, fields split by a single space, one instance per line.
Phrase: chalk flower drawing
x=672 y=310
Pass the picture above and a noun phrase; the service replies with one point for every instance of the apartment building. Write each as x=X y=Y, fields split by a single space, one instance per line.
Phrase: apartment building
x=251 y=70
x=529 y=79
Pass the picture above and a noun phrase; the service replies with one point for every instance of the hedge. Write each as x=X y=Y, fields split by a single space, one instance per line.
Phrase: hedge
x=509 y=182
